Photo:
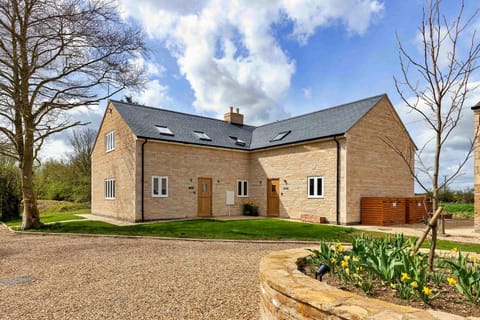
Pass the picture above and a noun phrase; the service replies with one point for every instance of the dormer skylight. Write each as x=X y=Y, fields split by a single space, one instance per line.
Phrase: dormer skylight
x=281 y=135
x=164 y=130
x=238 y=141
x=202 y=135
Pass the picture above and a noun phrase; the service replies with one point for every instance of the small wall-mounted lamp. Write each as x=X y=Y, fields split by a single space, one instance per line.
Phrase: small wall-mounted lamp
x=321 y=271
x=260 y=182
x=285 y=181
x=191 y=180
x=218 y=181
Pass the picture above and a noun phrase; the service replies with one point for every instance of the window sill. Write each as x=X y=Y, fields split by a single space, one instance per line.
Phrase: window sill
x=315 y=197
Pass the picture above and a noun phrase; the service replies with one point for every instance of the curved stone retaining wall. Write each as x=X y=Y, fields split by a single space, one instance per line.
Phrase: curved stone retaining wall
x=287 y=293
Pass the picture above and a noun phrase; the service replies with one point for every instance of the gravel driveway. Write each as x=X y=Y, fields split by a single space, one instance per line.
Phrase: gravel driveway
x=76 y=277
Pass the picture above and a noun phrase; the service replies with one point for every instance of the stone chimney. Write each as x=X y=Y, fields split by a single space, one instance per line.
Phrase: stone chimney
x=234 y=117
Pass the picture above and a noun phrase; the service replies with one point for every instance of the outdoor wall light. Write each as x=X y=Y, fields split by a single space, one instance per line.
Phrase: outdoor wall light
x=322 y=269
x=285 y=181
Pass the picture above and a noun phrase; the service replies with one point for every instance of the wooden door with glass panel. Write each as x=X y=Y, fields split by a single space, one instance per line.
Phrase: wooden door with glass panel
x=204 y=192
x=273 y=197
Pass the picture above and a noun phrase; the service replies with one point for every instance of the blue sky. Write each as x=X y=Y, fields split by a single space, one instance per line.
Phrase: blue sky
x=278 y=58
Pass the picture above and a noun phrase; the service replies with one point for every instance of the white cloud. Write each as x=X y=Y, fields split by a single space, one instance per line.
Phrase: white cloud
x=455 y=148
x=307 y=93
x=154 y=94
x=56 y=148
x=228 y=52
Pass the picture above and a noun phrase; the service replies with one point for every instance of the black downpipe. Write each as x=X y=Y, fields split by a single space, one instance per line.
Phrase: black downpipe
x=338 y=181
x=143 y=179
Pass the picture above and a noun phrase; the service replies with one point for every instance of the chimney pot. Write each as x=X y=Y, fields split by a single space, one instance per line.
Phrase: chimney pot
x=238 y=110
x=231 y=109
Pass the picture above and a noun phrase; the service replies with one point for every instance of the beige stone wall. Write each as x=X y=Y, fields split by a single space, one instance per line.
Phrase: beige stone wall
x=118 y=164
x=476 y=174
x=184 y=164
x=373 y=168
x=292 y=165
x=368 y=168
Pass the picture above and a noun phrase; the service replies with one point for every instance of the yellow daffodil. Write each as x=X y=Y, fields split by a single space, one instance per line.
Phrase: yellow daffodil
x=333 y=260
x=347 y=271
x=346 y=258
x=451 y=281
x=393 y=286
x=344 y=264
x=427 y=291
x=340 y=248
x=454 y=250
x=360 y=269
x=405 y=277
x=355 y=259
x=414 y=284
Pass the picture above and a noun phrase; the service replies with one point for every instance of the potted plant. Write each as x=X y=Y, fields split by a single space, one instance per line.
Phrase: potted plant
x=250 y=209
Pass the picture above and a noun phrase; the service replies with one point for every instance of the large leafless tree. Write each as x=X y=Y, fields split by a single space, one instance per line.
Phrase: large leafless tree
x=435 y=86
x=56 y=56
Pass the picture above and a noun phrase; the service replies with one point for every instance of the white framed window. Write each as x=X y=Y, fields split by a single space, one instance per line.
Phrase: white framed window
x=110 y=141
x=242 y=188
x=315 y=187
x=110 y=188
x=159 y=186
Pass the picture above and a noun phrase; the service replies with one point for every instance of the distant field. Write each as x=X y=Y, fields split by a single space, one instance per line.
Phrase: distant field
x=459 y=210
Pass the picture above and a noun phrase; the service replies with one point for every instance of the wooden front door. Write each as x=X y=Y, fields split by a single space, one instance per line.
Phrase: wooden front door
x=273 y=198
x=204 y=197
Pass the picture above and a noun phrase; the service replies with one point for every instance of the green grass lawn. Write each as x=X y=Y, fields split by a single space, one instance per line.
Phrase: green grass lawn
x=54 y=211
x=262 y=229
x=459 y=210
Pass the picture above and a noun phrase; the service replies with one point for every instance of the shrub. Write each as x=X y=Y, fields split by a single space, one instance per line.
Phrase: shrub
x=250 y=209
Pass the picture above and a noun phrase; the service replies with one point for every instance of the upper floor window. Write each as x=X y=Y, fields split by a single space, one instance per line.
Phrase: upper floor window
x=315 y=187
x=242 y=188
x=159 y=186
x=110 y=141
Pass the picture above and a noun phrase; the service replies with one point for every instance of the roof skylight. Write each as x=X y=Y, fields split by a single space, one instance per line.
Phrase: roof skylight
x=281 y=135
x=164 y=130
x=238 y=141
x=202 y=135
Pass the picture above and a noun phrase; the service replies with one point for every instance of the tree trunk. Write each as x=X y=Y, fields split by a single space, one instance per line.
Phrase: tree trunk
x=433 y=245
x=31 y=217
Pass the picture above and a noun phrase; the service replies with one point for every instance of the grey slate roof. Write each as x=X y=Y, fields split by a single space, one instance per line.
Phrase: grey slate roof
x=320 y=124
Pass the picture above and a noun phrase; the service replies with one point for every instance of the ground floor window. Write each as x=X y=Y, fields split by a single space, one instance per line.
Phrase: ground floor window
x=315 y=187
x=159 y=186
x=242 y=188
x=109 y=188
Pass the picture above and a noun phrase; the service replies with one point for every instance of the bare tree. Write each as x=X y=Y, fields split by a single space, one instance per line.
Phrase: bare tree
x=56 y=56
x=436 y=85
x=82 y=143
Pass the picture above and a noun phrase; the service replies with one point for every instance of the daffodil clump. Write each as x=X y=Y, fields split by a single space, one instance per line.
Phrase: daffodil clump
x=390 y=262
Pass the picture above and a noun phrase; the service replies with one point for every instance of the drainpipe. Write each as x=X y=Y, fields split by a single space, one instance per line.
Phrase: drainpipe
x=143 y=179
x=338 y=182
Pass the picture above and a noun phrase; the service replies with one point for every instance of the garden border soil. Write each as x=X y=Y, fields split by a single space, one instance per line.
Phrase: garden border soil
x=287 y=293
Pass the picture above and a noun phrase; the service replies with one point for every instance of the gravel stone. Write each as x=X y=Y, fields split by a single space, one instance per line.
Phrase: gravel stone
x=77 y=277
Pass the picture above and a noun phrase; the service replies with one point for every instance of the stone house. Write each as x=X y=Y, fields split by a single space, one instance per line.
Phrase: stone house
x=151 y=164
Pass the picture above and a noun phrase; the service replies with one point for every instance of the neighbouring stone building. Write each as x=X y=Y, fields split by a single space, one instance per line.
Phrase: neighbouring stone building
x=476 y=167
x=150 y=163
